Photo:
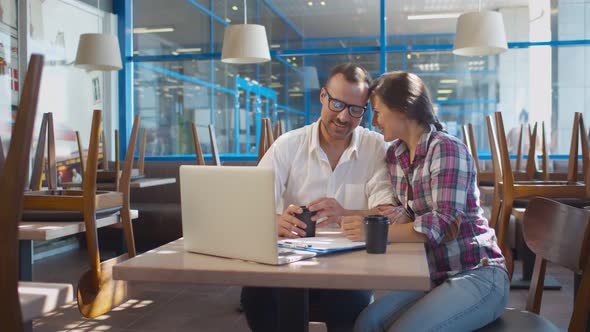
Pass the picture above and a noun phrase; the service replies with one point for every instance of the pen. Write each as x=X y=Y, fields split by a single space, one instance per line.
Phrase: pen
x=296 y=245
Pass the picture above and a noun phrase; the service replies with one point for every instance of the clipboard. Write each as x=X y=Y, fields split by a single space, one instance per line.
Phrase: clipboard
x=322 y=245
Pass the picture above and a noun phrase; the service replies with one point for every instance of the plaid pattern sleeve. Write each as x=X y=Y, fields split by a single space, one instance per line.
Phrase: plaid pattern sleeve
x=449 y=182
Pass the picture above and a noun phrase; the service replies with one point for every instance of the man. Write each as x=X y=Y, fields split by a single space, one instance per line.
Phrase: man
x=336 y=169
x=76 y=177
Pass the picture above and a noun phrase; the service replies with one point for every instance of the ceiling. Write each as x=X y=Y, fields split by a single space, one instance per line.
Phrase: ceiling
x=333 y=18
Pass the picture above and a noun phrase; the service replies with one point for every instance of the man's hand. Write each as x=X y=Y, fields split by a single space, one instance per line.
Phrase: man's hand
x=353 y=227
x=329 y=208
x=288 y=225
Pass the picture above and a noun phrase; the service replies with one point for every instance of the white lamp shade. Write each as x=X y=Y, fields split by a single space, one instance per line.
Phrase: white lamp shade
x=480 y=33
x=310 y=75
x=98 y=51
x=245 y=43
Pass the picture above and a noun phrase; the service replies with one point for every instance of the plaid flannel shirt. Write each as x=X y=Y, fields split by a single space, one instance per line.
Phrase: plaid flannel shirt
x=439 y=192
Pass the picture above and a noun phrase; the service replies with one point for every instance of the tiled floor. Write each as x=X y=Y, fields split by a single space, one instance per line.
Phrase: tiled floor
x=182 y=307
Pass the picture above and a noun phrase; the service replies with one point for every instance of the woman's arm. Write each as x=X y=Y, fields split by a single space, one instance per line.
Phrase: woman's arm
x=451 y=175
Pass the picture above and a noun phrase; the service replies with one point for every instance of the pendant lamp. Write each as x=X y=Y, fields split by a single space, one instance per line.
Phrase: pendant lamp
x=98 y=51
x=480 y=33
x=245 y=43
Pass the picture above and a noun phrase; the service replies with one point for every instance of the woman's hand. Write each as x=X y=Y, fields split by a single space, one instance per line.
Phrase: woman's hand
x=396 y=214
x=353 y=227
x=288 y=225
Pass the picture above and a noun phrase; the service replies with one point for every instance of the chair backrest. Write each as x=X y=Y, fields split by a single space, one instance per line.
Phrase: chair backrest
x=117 y=159
x=1 y=154
x=572 y=167
x=531 y=167
x=197 y=144
x=12 y=183
x=560 y=234
x=519 y=148
x=266 y=138
x=104 y=163
x=497 y=166
x=545 y=160
x=214 y=150
x=80 y=151
x=278 y=129
x=585 y=149
x=46 y=137
x=141 y=160
x=469 y=140
x=124 y=185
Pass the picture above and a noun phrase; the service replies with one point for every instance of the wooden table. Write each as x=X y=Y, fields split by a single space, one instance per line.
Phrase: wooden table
x=403 y=267
x=29 y=231
x=135 y=184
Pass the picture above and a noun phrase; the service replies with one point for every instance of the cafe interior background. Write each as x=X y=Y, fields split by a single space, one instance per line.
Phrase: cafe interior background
x=173 y=74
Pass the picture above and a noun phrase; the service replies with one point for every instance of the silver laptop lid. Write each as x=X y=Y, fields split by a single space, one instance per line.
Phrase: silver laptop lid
x=229 y=211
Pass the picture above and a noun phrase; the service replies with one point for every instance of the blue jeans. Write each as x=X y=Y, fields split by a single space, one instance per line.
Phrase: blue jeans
x=464 y=302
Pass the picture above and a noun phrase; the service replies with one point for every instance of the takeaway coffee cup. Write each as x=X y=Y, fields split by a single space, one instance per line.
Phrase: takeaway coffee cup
x=376 y=227
x=305 y=216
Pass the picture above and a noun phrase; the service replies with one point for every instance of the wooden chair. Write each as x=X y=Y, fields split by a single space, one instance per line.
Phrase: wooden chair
x=484 y=178
x=560 y=234
x=141 y=160
x=46 y=138
x=2 y=158
x=12 y=183
x=197 y=144
x=278 y=129
x=80 y=152
x=108 y=175
x=266 y=138
x=214 y=150
x=506 y=189
x=97 y=292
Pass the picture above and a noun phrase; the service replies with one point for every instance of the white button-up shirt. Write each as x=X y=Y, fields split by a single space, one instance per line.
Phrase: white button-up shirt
x=303 y=173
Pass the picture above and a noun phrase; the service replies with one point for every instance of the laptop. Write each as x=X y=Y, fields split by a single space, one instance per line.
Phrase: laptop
x=229 y=212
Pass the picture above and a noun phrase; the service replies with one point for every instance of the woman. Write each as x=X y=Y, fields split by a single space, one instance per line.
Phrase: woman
x=437 y=202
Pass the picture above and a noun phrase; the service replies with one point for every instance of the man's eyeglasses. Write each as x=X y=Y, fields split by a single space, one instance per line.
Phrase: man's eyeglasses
x=336 y=105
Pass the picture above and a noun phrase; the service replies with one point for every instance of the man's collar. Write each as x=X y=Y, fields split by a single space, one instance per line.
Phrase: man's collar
x=315 y=139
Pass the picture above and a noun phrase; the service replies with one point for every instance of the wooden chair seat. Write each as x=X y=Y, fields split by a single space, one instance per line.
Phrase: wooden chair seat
x=70 y=200
x=64 y=216
x=112 y=176
x=514 y=320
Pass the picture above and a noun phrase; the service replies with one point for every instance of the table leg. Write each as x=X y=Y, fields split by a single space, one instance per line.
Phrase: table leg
x=25 y=257
x=293 y=310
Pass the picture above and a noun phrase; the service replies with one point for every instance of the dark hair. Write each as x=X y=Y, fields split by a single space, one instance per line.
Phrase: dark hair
x=352 y=73
x=407 y=93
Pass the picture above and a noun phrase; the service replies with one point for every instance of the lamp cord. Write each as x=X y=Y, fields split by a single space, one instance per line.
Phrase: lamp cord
x=98 y=18
x=479 y=6
x=246 y=13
